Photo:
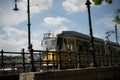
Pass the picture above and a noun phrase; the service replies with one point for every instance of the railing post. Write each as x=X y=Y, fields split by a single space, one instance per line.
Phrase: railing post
x=103 y=60
x=110 y=60
x=23 y=55
x=32 y=68
x=117 y=57
x=69 y=61
x=2 y=63
x=59 y=58
x=107 y=57
x=75 y=60
x=13 y=67
x=47 y=61
x=40 y=60
x=53 y=61
x=79 y=62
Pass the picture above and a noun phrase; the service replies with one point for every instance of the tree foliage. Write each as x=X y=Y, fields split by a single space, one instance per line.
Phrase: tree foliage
x=99 y=2
x=117 y=16
x=117 y=13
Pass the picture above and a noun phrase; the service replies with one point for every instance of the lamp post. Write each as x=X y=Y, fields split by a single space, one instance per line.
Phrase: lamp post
x=29 y=37
x=88 y=3
x=117 y=20
x=116 y=33
x=28 y=12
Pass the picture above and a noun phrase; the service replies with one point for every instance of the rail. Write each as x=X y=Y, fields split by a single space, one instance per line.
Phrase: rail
x=10 y=64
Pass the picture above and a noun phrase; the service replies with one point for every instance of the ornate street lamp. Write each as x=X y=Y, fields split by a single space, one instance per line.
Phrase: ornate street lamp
x=15 y=9
x=29 y=37
x=91 y=34
x=28 y=11
x=108 y=34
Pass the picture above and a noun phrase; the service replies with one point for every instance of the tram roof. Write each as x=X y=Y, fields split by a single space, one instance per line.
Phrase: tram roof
x=79 y=35
x=112 y=43
x=98 y=39
x=74 y=34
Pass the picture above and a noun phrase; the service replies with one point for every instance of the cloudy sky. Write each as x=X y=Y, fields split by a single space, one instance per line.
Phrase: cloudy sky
x=54 y=16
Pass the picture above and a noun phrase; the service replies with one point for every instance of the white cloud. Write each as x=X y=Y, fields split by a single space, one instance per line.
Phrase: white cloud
x=12 y=44
x=74 y=6
x=37 y=6
x=105 y=24
x=55 y=20
x=14 y=33
x=62 y=28
x=106 y=21
x=37 y=34
x=10 y=17
x=2 y=36
x=14 y=39
x=36 y=44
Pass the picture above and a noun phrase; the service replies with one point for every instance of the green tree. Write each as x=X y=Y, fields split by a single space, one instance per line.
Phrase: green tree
x=99 y=2
x=117 y=16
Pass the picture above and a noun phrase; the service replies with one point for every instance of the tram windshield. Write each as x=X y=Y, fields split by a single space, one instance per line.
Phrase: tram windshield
x=49 y=44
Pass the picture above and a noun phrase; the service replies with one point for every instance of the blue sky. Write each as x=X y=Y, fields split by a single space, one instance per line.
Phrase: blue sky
x=53 y=15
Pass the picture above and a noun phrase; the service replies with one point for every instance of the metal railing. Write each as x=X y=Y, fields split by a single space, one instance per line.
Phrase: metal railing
x=65 y=59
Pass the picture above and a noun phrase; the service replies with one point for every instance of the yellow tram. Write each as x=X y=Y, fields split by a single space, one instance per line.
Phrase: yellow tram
x=74 y=50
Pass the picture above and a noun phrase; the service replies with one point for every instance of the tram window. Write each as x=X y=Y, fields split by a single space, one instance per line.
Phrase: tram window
x=49 y=44
x=114 y=51
x=110 y=50
x=97 y=48
x=65 y=44
x=70 y=45
x=59 y=42
x=79 y=44
x=102 y=49
x=53 y=42
x=85 y=46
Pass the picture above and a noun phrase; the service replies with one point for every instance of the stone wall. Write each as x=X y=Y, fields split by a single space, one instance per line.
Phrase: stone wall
x=9 y=77
x=103 y=73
